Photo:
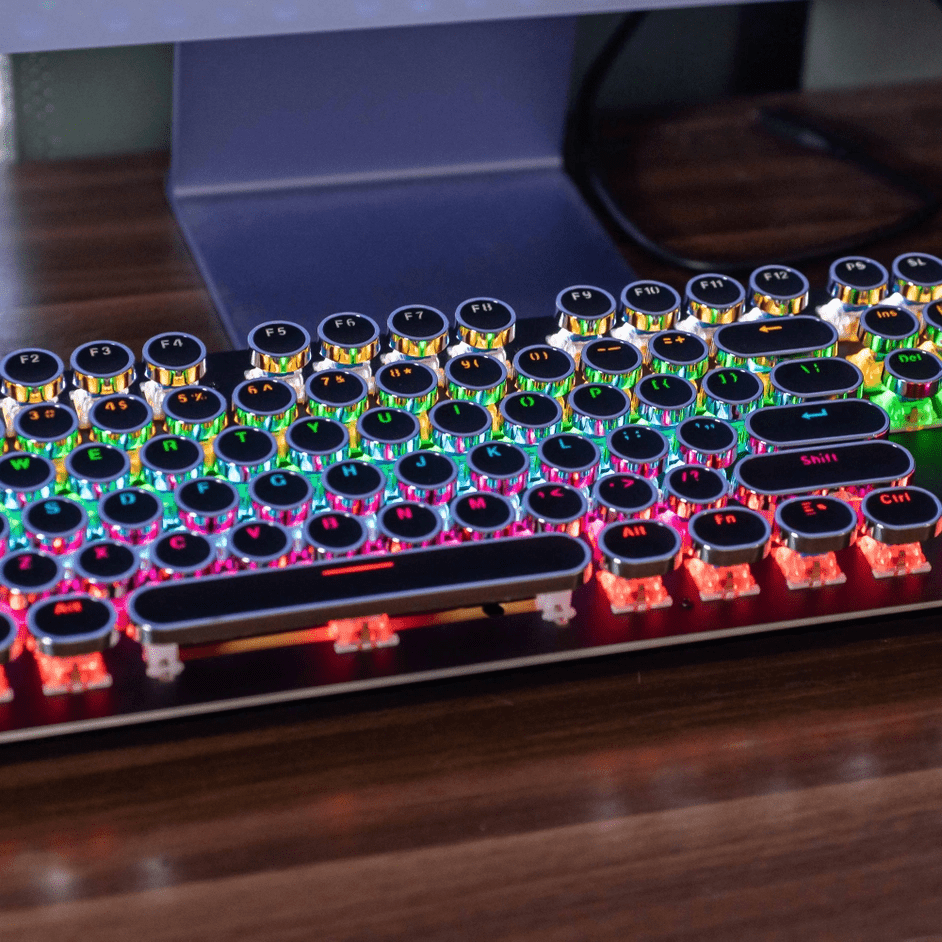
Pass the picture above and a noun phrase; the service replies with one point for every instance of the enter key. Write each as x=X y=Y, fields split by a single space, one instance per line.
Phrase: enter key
x=812 y=423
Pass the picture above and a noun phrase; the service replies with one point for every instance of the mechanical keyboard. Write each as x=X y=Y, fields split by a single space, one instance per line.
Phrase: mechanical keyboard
x=421 y=497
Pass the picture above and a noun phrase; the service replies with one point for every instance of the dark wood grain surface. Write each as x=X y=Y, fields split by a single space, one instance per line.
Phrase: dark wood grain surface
x=787 y=787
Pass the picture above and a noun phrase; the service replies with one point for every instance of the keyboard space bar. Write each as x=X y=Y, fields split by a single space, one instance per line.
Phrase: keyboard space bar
x=266 y=601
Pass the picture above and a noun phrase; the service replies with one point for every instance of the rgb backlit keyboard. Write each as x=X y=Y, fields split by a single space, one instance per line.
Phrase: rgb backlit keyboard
x=421 y=496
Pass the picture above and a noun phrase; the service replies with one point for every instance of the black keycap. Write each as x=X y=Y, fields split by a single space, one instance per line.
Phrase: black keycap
x=259 y=543
x=313 y=443
x=107 y=564
x=207 y=505
x=356 y=486
x=555 y=508
x=528 y=416
x=29 y=573
x=639 y=549
x=427 y=477
x=243 y=452
x=182 y=554
x=386 y=434
x=331 y=534
x=459 y=426
x=620 y=496
x=282 y=495
x=707 y=441
x=69 y=625
x=24 y=476
x=841 y=420
x=479 y=514
x=815 y=525
x=568 y=458
x=597 y=409
x=337 y=394
x=817 y=378
x=485 y=322
x=197 y=411
x=637 y=449
x=689 y=488
x=729 y=537
x=898 y=515
x=650 y=305
x=802 y=334
x=498 y=466
x=610 y=360
x=169 y=460
x=55 y=524
x=476 y=376
x=94 y=469
x=131 y=515
x=408 y=524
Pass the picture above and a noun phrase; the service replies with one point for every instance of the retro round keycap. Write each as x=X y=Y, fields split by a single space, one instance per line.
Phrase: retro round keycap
x=918 y=277
x=570 y=459
x=102 y=367
x=730 y=393
x=622 y=496
x=243 y=451
x=529 y=416
x=815 y=525
x=25 y=477
x=280 y=347
x=169 y=460
x=689 y=488
x=707 y=441
x=898 y=515
x=555 y=508
x=106 y=568
x=32 y=375
x=48 y=429
x=260 y=543
x=74 y=624
x=195 y=412
x=481 y=514
x=885 y=328
x=427 y=477
x=180 y=554
x=407 y=524
x=122 y=419
x=385 y=434
x=639 y=549
x=207 y=505
x=795 y=381
x=932 y=316
x=714 y=299
x=348 y=338
x=29 y=574
x=596 y=409
x=331 y=534
x=678 y=352
x=56 y=524
x=94 y=469
x=314 y=443
x=485 y=323
x=663 y=399
x=337 y=394
x=458 y=426
x=729 y=537
x=131 y=515
x=174 y=359
x=476 y=376
x=4 y=534
x=610 y=361
x=544 y=369
x=912 y=374
x=283 y=496
x=778 y=290
x=264 y=403
x=649 y=305
x=406 y=385
x=637 y=449
x=857 y=281
x=418 y=331
x=498 y=466
x=585 y=311
x=354 y=485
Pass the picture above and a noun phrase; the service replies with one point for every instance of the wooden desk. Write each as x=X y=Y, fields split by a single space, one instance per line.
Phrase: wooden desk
x=785 y=787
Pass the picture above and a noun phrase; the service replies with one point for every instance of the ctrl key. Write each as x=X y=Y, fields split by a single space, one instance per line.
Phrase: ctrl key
x=897 y=521
x=633 y=556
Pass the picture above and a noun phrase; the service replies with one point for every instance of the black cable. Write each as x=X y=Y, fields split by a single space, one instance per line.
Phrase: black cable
x=581 y=157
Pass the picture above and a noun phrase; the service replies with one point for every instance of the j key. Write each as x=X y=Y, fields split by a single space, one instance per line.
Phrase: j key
x=485 y=323
x=25 y=477
x=264 y=403
x=680 y=353
x=544 y=369
x=407 y=525
x=885 y=328
x=280 y=347
x=219 y=608
x=596 y=409
x=714 y=299
x=180 y=554
x=529 y=416
x=459 y=426
x=283 y=496
x=918 y=277
x=314 y=443
x=858 y=281
x=169 y=460
x=762 y=343
x=195 y=412
x=47 y=429
x=662 y=399
x=32 y=375
x=56 y=525
x=637 y=449
x=255 y=544
x=337 y=394
x=70 y=625
x=569 y=459
x=476 y=376
x=498 y=466
x=348 y=338
x=842 y=420
x=405 y=385
x=355 y=486
x=815 y=525
x=729 y=537
x=555 y=508
x=427 y=477
x=609 y=361
x=912 y=374
x=131 y=515
x=123 y=420
x=28 y=575
x=706 y=441
x=689 y=488
x=649 y=305
x=94 y=469
x=333 y=535
x=175 y=359
x=762 y=479
x=585 y=311
x=242 y=452
x=385 y=434
x=207 y=505
x=778 y=290
x=418 y=331
x=795 y=381
x=106 y=568
x=623 y=496
x=898 y=515
x=480 y=515
x=639 y=549
x=102 y=367
x=730 y=393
